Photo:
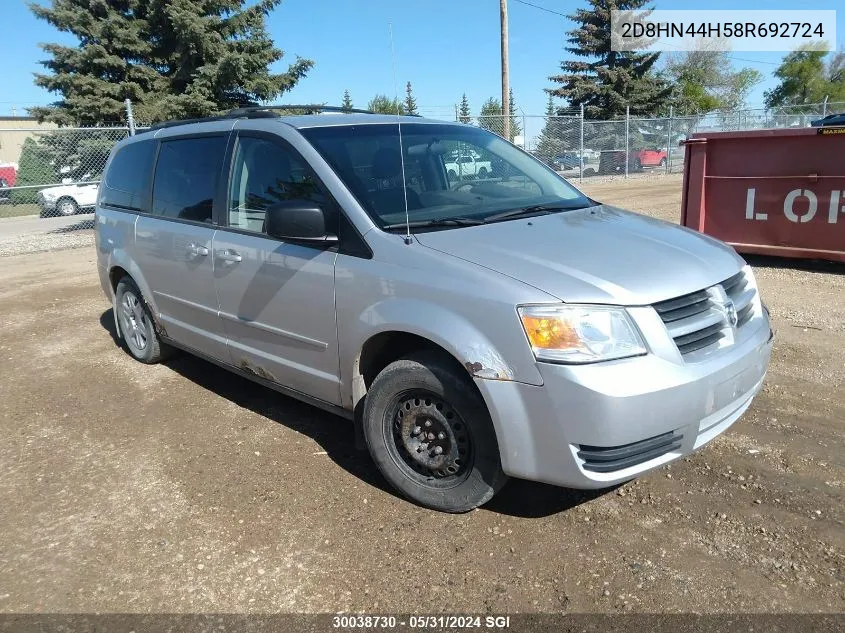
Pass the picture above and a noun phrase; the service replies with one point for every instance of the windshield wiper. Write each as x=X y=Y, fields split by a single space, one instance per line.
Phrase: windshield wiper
x=456 y=221
x=534 y=209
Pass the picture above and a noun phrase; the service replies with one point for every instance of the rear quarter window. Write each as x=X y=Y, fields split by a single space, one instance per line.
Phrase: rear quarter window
x=127 y=182
x=186 y=177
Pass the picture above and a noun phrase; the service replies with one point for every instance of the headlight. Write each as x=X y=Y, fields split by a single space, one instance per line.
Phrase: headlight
x=580 y=333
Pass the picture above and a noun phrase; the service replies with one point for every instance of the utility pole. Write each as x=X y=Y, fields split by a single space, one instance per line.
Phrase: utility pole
x=506 y=101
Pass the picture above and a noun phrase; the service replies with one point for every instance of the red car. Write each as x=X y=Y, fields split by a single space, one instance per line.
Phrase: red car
x=613 y=161
x=650 y=157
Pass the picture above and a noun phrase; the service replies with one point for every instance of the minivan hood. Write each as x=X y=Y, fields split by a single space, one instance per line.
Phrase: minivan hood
x=596 y=255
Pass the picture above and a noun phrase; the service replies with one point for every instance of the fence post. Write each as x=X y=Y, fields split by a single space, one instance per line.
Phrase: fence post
x=130 y=118
x=669 y=141
x=627 y=139
x=824 y=106
x=581 y=152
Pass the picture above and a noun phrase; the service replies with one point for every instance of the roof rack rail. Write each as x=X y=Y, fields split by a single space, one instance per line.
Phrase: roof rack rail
x=259 y=112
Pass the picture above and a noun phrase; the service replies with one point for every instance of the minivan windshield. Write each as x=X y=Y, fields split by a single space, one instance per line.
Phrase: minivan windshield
x=456 y=175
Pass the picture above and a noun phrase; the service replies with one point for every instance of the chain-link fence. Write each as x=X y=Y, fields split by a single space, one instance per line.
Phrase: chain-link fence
x=579 y=147
x=50 y=171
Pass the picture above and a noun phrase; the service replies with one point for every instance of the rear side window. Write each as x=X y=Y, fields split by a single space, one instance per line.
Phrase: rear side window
x=186 y=177
x=128 y=179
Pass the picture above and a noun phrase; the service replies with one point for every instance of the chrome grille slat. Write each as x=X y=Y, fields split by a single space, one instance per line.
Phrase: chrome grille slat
x=666 y=307
x=698 y=320
x=694 y=323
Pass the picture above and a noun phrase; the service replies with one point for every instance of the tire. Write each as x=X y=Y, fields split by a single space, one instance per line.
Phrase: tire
x=451 y=174
x=663 y=162
x=428 y=390
x=482 y=173
x=135 y=324
x=67 y=206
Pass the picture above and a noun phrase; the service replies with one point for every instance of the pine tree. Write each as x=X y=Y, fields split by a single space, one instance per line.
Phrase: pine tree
x=410 y=101
x=464 y=112
x=347 y=101
x=36 y=169
x=490 y=117
x=610 y=80
x=516 y=128
x=180 y=58
x=554 y=134
x=382 y=104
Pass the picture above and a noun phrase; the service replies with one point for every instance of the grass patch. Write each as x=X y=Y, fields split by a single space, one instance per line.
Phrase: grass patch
x=15 y=210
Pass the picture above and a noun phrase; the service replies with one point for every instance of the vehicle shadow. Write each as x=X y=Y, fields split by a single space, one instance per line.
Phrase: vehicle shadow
x=807 y=265
x=336 y=436
x=82 y=225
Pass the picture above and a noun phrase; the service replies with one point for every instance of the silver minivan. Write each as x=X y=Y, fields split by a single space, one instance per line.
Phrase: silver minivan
x=473 y=328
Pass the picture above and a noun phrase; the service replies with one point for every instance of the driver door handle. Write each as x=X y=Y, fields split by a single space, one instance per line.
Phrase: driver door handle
x=196 y=250
x=229 y=255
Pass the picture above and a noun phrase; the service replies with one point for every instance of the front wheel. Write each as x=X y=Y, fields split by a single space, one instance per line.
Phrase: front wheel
x=482 y=173
x=663 y=162
x=67 y=206
x=431 y=435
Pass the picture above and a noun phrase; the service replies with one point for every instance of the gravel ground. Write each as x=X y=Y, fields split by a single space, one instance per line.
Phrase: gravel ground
x=182 y=488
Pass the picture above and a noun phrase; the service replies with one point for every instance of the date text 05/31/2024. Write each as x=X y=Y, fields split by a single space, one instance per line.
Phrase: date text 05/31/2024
x=421 y=622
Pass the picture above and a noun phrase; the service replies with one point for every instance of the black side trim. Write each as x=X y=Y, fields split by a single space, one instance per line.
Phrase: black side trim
x=607 y=459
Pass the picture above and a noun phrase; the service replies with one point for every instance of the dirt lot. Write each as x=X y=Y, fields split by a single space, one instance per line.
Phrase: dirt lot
x=183 y=488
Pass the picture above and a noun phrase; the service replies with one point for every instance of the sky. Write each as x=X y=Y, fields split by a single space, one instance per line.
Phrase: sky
x=444 y=47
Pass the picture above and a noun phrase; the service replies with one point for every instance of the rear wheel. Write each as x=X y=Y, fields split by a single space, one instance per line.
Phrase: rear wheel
x=663 y=162
x=136 y=324
x=67 y=206
x=482 y=173
x=431 y=436
x=451 y=174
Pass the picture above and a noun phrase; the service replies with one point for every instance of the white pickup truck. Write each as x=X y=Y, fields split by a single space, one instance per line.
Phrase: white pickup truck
x=68 y=199
x=463 y=166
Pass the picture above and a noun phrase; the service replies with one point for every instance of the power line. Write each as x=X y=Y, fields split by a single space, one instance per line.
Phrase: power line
x=537 y=6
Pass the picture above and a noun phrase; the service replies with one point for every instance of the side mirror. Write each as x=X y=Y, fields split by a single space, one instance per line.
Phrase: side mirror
x=301 y=220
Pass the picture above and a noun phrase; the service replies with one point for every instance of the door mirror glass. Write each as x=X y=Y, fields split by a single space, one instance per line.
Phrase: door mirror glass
x=297 y=220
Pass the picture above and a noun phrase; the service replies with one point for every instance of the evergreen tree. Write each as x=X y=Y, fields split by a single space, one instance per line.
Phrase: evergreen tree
x=610 y=80
x=516 y=128
x=490 y=117
x=347 y=101
x=410 y=101
x=174 y=58
x=36 y=168
x=382 y=104
x=551 y=142
x=464 y=111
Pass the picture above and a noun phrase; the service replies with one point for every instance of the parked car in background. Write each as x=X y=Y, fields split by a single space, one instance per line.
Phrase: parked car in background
x=5 y=192
x=613 y=161
x=830 y=119
x=467 y=165
x=650 y=157
x=471 y=332
x=67 y=199
x=569 y=160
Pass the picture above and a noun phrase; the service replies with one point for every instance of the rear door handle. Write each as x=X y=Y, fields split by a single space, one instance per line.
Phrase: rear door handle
x=229 y=255
x=197 y=251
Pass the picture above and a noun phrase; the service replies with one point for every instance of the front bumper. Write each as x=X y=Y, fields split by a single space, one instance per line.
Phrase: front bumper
x=605 y=407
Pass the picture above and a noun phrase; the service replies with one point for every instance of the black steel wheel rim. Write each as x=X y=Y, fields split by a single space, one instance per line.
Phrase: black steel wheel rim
x=428 y=439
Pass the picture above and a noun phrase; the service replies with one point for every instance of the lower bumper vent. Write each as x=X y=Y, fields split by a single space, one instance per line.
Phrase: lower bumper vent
x=606 y=459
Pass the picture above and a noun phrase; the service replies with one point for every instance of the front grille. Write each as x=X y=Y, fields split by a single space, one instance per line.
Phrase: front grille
x=606 y=459
x=698 y=320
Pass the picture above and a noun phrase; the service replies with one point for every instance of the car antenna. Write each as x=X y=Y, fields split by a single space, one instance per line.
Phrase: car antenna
x=407 y=238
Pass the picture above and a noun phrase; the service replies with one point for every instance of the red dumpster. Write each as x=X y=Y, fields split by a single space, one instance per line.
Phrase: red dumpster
x=771 y=192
